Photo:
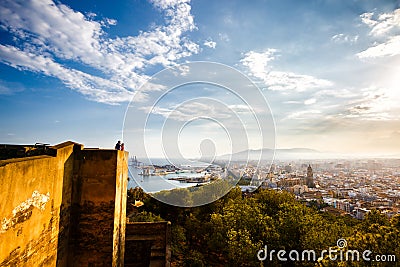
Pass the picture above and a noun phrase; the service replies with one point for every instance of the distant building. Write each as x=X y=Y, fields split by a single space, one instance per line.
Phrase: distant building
x=272 y=168
x=343 y=204
x=299 y=189
x=288 y=168
x=361 y=212
x=310 y=177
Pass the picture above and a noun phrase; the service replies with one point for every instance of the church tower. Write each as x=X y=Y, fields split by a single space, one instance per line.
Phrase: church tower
x=310 y=177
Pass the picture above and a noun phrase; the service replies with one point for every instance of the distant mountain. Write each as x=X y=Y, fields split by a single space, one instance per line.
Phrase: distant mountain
x=298 y=154
x=267 y=154
x=297 y=150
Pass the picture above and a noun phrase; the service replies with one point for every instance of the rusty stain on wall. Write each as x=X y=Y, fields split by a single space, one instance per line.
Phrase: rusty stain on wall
x=23 y=211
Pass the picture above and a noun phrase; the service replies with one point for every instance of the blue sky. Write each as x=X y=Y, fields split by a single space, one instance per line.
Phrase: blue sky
x=328 y=69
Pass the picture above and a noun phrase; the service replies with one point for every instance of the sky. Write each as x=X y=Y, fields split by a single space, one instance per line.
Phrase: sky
x=328 y=71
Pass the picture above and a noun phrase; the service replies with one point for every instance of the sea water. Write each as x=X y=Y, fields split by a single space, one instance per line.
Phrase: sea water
x=156 y=183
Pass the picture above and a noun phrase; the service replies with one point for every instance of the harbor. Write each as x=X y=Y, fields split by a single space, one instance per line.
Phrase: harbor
x=161 y=175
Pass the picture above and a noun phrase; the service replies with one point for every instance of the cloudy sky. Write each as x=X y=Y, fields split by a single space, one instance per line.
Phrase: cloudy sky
x=329 y=69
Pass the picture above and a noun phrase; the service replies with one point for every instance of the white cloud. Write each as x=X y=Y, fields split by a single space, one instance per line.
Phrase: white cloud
x=258 y=65
x=210 y=44
x=282 y=81
x=96 y=88
x=310 y=101
x=386 y=23
x=9 y=88
x=258 y=62
x=304 y=114
x=327 y=108
x=112 y=22
x=389 y=48
x=224 y=37
x=204 y=108
x=366 y=18
x=228 y=19
x=48 y=31
x=385 y=28
x=53 y=27
x=165 y=4
x=342 y=38
x=373 y=104
x=370 y=103
x=361 y=104
x=336 y=93
x=242 y=109
x=292 y=102
x=191 y=110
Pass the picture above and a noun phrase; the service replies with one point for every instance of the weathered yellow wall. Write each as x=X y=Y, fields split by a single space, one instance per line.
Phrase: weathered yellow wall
x=99 y=205
x=120 y=209
x=31 y=194
x=67 y=210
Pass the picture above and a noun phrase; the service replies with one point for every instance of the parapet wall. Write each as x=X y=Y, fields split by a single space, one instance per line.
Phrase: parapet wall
x=99 y=208
x=63 y=210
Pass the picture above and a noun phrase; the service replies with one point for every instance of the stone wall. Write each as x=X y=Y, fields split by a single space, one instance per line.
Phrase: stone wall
x=99 y=208
x=63 y=210
x=32 y=192
x=148 y=244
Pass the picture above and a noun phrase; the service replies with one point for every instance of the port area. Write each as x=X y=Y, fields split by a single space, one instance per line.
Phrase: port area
x=202 y=179
x=186 y=173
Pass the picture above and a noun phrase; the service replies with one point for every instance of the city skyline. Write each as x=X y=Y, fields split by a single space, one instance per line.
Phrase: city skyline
x=328 y=70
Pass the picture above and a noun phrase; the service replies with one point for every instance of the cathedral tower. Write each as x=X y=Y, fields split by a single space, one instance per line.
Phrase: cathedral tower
x=310 y=177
